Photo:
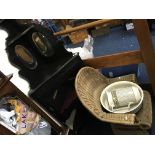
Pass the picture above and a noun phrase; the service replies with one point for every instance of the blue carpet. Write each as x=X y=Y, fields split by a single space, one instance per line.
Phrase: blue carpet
x=119 y=40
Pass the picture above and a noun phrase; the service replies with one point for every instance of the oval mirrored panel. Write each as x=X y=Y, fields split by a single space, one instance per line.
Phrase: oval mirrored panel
x=25 y=56
x=43 y=44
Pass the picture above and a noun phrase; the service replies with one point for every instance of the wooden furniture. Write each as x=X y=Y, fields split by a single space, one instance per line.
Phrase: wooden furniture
x=7 y=87
x=43 y=62
x=144 y=55
x=84 y=26
x=75 y=37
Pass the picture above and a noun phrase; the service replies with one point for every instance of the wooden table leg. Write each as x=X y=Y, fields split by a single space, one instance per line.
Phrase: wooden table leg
x=146 y=47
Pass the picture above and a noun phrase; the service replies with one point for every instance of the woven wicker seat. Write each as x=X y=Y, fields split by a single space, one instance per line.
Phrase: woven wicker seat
x=89 y=84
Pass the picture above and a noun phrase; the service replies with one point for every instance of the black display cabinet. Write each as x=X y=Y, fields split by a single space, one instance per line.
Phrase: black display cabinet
x=41 y=59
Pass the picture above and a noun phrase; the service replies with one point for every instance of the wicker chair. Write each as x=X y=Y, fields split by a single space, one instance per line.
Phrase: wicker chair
x=144 y=55
x=89 y=84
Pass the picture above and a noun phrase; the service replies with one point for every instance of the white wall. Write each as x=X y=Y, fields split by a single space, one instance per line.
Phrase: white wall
x=7 y=68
